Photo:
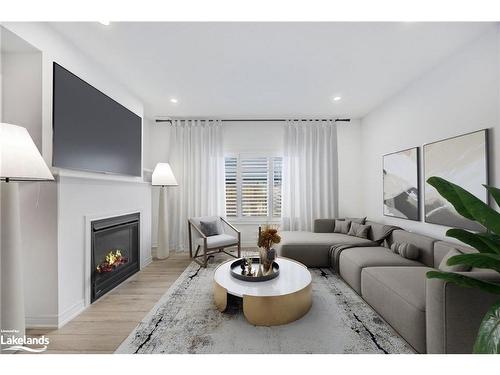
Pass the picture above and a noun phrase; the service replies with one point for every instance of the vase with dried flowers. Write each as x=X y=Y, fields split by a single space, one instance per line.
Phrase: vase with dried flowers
x=268 y=236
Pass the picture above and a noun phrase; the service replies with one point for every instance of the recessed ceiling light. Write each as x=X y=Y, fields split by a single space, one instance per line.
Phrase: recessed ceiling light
x=105 y=23
x=337 y=98
x=174 y=101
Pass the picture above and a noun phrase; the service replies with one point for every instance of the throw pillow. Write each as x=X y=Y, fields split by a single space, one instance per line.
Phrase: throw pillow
x=443 y=266
x=357 y=220
x=342 y=226
x=406 y=250
x=359 y=230
x=209 y=228
x=394 y=247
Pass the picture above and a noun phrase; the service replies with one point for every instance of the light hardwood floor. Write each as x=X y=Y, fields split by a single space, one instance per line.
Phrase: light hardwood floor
x=103 y=326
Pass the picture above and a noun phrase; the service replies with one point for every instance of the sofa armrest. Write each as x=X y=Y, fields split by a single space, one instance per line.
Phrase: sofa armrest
x=324 y=225
x=454 y=313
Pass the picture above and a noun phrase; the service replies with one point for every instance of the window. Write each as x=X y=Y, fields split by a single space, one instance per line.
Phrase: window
x=253 y=186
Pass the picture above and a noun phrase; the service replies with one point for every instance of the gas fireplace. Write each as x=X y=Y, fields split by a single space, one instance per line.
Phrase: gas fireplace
x=115 y=252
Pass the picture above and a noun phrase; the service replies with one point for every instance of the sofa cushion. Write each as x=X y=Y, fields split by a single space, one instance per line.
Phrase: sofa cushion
x=425 y=244
x=342 y=226
x=443 y=266
x=378 y=232
x=442 y=248
x=357 y=220
x=358 y=230
x=406 y=250
x=324 y=225
x=398 y=295
x=312 y=249
x=352 y=261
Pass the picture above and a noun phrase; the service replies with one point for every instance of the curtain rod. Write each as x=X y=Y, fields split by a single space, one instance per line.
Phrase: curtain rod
x=260 y=120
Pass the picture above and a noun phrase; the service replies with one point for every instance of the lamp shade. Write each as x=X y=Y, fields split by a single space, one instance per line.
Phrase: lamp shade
x=20 y=160
x=163 y=175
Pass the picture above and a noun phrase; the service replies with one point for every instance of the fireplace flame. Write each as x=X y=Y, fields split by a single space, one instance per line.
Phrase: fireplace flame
x=112 y=260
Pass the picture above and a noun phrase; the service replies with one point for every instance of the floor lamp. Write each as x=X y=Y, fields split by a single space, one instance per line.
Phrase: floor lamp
x=163 y=176
x=20 y=160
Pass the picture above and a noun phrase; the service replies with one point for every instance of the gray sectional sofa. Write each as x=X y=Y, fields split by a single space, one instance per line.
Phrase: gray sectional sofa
x=432 y=315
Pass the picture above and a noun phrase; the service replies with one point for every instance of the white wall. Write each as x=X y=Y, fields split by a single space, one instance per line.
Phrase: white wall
x=459 y=95
x=77 y=199
x=268 y=137
x=22 y=102
x=22 y=105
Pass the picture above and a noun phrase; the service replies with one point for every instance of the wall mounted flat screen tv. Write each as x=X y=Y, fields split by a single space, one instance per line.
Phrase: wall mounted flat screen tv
x=91 y=131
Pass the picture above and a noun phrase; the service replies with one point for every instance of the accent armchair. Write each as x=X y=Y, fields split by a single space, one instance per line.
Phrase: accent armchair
x=215 y=243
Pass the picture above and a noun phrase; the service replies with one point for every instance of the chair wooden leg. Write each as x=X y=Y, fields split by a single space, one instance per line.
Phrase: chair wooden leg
x=205 y=260
x=197 y=250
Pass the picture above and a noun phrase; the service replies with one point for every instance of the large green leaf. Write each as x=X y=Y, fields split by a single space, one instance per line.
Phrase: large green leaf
x=467 y=204
x=488 y=337
x=465 y=281
x=447 y=191
x=479 y=260
x=478 y=241
x=495 y=193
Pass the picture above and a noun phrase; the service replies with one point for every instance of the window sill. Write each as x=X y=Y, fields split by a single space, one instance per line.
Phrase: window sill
x=254 y=220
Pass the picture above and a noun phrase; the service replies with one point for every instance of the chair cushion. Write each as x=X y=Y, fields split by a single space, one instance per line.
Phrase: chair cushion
x=197 y=221
x=398 y=295
x=209 y=228
x=220 y=240
x=312 y=249
x=352 y=261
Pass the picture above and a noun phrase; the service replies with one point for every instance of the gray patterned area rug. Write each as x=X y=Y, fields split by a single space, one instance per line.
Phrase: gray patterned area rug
x=185 y=320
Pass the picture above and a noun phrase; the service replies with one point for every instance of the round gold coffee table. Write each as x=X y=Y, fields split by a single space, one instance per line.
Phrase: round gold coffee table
x=282 y=300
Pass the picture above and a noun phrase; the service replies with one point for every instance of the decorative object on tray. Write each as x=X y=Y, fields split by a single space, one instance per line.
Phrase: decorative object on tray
x=268 y=236
x=249 y=263
x=242 y=269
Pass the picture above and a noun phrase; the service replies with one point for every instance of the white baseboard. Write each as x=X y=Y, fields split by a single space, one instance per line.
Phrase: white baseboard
x=42 y=321
x=71 y=313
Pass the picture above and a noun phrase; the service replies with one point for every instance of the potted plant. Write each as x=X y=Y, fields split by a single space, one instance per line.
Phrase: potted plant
x=488 y=245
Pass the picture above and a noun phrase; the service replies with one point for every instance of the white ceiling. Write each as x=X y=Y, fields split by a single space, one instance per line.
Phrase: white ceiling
x=262 y=70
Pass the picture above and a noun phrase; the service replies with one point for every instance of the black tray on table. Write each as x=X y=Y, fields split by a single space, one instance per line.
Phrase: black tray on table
x=236 y=271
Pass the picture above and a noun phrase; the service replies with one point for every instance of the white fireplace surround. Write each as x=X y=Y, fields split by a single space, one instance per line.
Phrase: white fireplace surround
x=144 y=256
x=82 y=200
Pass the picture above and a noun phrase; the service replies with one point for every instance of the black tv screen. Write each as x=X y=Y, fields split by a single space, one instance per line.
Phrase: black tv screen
x=91 y=131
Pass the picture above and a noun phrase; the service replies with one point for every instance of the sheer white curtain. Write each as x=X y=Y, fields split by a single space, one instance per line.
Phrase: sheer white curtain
x=309 y=173
x=197 y=160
